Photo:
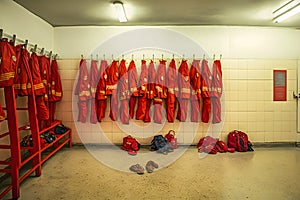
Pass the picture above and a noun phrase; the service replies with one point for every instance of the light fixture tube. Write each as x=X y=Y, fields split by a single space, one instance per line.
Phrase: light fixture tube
x=284 y=12
x=120 y=11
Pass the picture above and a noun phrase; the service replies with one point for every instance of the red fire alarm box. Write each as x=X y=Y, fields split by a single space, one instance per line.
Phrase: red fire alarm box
x=279 y=85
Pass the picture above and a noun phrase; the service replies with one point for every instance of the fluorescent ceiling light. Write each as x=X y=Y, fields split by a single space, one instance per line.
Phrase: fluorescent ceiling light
x=286 y=11
x=120 y=11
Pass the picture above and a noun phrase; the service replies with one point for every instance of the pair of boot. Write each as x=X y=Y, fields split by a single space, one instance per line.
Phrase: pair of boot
x=140 y=169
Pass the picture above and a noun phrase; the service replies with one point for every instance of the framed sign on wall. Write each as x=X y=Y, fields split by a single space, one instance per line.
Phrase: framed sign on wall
x=279 y=85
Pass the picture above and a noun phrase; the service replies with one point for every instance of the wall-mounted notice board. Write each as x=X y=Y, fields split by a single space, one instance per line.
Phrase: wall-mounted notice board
x=279 y=85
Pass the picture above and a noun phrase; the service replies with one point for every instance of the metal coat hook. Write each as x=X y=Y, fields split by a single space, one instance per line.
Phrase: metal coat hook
x=220 y=56
x=1 y=33
x=203 y=56
x=173 y=56
x=91 y=56
x=183 y=57
x=26 y=43
x=55 y=56
x=162 y=56
x=153 y=57
x=34 y=48
x=131 y=56
x=103 y=56
x=193 y=56
x=50 y=54
x=214 y=57
x=112 y=56
x=42 y=51
x=97 y=57
x=123 y=56
x=81 y=56
x=143 y=56
x=14 y=39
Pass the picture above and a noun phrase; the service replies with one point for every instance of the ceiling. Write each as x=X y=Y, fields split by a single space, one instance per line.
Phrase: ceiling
x=160 y=12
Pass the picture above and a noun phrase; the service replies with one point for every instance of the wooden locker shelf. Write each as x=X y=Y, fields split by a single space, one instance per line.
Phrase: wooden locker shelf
x=34 y=158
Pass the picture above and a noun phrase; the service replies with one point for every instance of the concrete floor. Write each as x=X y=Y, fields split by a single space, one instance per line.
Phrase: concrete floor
x=267 y=173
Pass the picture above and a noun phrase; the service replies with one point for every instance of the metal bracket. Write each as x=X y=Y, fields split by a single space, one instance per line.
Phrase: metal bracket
x=296 y=96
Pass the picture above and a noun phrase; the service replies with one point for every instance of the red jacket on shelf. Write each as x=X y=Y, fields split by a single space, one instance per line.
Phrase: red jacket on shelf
x=56 y=92
x=83 y=91
x=216 y=93
x=100 y=91
x=94 y=78
x=150 y=90
x=195 y=76
x=142 y=89
x=133 y=80
x=160 y=91
x=8 y=62
x=171 y=85
x=124 y=95
x=184 y=90
x=205 y=91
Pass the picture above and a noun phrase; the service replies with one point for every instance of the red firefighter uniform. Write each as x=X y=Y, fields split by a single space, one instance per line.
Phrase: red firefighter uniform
x=100 y=91
x=195 y=90
x=94 y=76
x=56 y=92
x=171 y=85
x=111 y=89
x=133 y=80
x=44 y=64
x=184 y=90
x=205 y=91
x=22 y=82
x=150 y=90
x=124 y=94
x=83 y=91
x=2 y=114
x=216 y=91
x=142 y=101
x=8 y=62
x=39 y=88
x=160 y=91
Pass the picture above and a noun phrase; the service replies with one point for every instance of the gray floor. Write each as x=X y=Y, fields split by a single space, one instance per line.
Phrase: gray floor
x=267 y=173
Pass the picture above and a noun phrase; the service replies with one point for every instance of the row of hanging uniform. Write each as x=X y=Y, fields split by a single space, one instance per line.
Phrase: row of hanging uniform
x=20 y=68
x=124 y=88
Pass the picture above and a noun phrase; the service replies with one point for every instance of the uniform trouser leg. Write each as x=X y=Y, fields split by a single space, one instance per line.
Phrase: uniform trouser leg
x=132 y=102
x=195 y=110
x=52 y=108
x=113 y=114
x=93 y=116
x=147 y=111
x=124 y=111
x=182 y=110
x=216 y=110
x=141 y=109
x=83 y=111
x=158 y=111
x=206 y=109
x=170 y=104
x=101 y=107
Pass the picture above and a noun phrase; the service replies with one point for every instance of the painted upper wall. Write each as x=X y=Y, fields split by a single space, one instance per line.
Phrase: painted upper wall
x=231 y=42
x=14 y=19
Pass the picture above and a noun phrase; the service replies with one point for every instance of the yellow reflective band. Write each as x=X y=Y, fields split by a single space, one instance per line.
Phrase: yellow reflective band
x=38 y=86
x=58 y=94
x=204 y=88
x=7 y=76
x=185 y=90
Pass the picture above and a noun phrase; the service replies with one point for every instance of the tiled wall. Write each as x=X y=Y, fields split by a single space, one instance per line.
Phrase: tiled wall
x=247 y=105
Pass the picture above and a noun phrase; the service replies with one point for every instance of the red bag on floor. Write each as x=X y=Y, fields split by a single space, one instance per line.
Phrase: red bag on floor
x=207 y=145
x=130 y=144
x=238 y=140
x=171 y=139
x=222 y=147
